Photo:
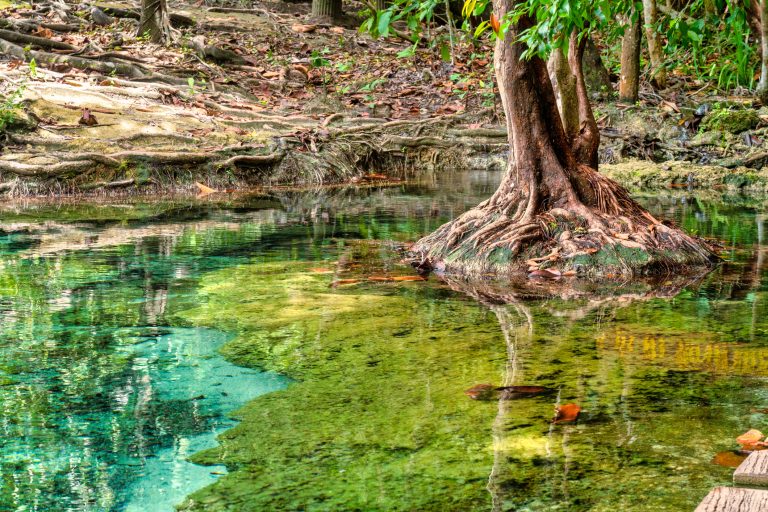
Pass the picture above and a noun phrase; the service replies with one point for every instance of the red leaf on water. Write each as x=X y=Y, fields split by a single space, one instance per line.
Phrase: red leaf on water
x=566 y=412
x=408 y=278
x=480 y=391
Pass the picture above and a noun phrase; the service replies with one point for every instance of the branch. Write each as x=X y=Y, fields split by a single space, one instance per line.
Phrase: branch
x=587 y=143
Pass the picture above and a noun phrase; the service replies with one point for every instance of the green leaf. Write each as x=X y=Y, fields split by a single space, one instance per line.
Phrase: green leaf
x=384 y=20
x=408 y=52
x=445 y=52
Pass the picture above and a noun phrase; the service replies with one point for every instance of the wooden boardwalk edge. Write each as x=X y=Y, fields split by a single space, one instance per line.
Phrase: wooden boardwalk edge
x=734 y=499
x=754 y=470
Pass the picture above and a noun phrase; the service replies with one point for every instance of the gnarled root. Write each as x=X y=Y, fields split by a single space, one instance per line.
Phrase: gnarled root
x=612 y=234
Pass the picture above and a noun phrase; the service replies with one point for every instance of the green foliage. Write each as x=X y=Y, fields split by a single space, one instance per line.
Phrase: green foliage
x=711 y=41
x=9 y=105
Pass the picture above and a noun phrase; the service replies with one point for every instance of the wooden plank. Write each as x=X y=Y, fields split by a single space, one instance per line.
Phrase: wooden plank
x=734 y=499
x=754 y=470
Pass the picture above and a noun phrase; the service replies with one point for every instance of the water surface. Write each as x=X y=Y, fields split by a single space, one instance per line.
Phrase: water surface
x=351 y=395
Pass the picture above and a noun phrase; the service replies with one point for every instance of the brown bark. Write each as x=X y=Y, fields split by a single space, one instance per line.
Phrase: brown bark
x=586 y=144
x=651 y=16
x=551 y=185
x=629 y=82
x=762 y=17
x=155 y=21
x=564 y=84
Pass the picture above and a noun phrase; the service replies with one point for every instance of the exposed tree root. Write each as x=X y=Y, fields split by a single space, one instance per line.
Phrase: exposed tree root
x=304 y=154
x=612 y=235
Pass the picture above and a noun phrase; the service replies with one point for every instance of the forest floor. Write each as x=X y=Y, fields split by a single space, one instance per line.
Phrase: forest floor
x=268 y=95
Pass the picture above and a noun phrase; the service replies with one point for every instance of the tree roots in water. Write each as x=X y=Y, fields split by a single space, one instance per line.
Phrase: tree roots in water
x=612 y=236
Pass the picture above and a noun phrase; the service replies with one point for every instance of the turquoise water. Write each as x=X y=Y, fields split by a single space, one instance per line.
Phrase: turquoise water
x=112 y=317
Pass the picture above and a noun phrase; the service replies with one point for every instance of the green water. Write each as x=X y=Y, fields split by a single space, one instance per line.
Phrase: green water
x=131 y=335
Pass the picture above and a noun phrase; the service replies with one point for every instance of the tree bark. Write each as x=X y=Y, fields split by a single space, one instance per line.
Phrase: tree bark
x=762 y=86
x=155 y=21
x=564 y=85
x=629 y=82
x=651 y=16
x=552 y=200
x=326 y=8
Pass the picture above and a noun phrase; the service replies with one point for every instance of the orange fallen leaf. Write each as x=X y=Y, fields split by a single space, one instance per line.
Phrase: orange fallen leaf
x=380 y=278
x=408 y=278
x=43 y=32
x=480 y=391
x=566 y=412
x=750 y=437
x=303 y=29
x=337 y=30
x=204 y=190
x=321 y=270
x=729 y=459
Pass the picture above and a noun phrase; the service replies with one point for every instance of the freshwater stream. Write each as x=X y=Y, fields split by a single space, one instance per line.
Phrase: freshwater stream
x=133 y=334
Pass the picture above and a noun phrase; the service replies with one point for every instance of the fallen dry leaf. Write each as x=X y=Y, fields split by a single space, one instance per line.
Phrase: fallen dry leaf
x=566 y=413
x=303 y=29
x=380 y=278
x=408 y=278
x=205 y=190
x=43 y=32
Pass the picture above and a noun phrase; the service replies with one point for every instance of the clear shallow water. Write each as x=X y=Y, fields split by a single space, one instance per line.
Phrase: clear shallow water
x=110 y=378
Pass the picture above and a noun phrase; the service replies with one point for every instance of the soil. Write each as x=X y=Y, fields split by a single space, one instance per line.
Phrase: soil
x=302 y=102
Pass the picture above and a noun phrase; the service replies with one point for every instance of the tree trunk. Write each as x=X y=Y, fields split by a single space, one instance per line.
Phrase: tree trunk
x=552 y=205
x=651 y=16
x=326 y=8
x=155 y=21
x=596 y=75
x=564 y=85
x=762 y=86
x=629 y=83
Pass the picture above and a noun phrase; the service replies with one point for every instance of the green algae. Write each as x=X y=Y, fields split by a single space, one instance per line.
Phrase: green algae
x=377 y=419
